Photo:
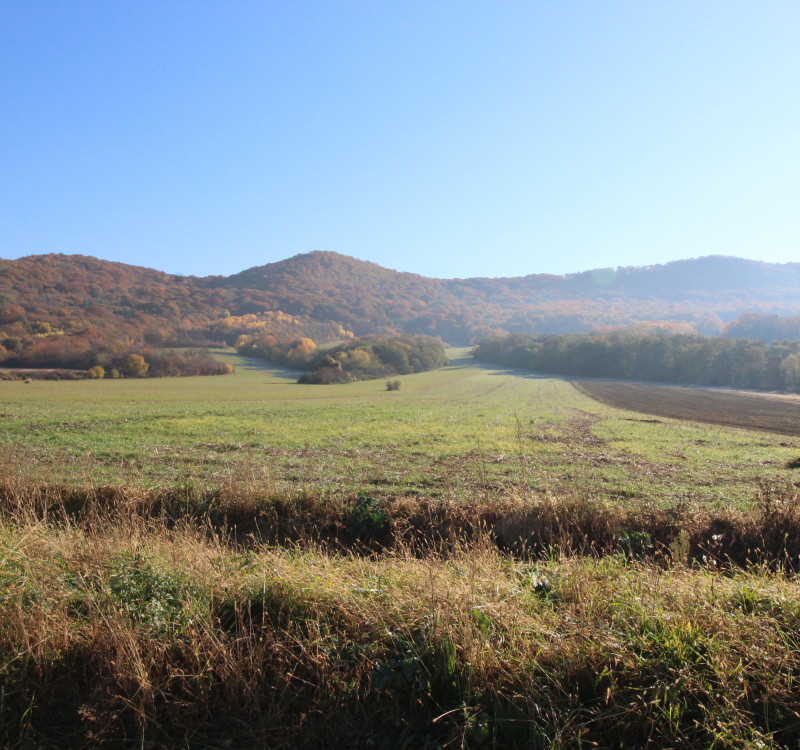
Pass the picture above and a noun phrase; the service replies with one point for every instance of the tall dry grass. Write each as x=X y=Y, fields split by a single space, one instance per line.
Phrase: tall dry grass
x=521 y=525
x=239 y=618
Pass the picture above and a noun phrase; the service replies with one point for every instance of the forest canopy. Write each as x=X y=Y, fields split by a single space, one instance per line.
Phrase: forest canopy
x=326 y=296
x=686 y=359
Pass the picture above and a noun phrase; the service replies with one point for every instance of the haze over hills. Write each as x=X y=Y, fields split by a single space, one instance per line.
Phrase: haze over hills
x=54 y=303
x=729 y=285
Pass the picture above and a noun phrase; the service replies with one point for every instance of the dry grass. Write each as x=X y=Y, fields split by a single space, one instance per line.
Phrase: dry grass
x=124 y=624
x=521 y=525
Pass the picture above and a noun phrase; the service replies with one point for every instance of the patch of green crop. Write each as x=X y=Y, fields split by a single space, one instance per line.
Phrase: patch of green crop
x=465 y=429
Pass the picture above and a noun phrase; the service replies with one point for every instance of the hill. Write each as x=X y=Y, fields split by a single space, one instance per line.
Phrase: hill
x=61 y=309
x=704 y=292
x=330 y=286
x=66 y=310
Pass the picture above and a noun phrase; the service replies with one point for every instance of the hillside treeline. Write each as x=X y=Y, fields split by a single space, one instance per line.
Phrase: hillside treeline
x=101 y=363
x=66 y=311
x=364 y=358
x=685 y=359
x=768 y=328
x=322 y=295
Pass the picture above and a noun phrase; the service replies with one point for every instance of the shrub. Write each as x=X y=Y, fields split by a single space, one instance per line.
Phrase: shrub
x=171 y=363
x=325 y=376
x=13 y=344
x=392 y=385
x=374 y=357
x=134 y=366
x=147 y=595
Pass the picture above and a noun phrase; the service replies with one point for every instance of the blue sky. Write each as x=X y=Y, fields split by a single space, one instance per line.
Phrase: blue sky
x=447 y=138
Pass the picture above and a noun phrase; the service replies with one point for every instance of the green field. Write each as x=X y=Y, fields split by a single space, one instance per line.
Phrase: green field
x=455 y=431
x=481 y=559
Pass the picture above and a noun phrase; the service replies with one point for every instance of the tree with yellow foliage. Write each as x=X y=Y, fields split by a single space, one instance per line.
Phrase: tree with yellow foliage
x=134 y=366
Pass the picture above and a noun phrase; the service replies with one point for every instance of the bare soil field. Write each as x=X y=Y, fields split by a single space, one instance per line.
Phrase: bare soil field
x=752 y=411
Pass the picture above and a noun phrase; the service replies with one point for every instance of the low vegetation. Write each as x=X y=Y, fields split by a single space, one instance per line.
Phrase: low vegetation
x=481 y=559
x=365 y=358
x=135 y=618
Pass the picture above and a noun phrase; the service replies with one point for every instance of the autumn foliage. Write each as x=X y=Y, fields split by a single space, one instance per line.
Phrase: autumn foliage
x=74 y=311
x=363 y=358
x=373 y=357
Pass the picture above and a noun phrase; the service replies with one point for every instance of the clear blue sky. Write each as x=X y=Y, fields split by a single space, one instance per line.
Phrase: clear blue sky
x=448 y=138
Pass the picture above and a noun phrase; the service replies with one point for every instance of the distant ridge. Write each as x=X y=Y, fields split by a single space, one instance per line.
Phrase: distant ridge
x=712 y=274
x=71 y=292
x=704 y=292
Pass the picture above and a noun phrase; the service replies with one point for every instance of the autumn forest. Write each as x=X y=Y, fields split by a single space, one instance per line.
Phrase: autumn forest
x=93 y=318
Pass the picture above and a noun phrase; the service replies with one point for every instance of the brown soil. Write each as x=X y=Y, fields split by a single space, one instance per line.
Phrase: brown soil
x=752 y=411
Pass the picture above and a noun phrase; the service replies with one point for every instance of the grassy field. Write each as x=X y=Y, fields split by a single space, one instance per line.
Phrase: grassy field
x=481 y=559
x=456 y=431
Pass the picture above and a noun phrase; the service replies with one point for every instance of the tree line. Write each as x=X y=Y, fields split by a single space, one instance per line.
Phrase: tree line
x=99 y=362
x=768 y=328
x=364 y=358
x=684 y=359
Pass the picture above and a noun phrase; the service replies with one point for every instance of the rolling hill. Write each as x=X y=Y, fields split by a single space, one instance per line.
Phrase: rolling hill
x=52 y=306
x=705 y=292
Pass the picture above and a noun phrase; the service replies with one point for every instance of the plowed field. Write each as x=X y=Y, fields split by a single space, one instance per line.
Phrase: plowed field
x=767 y=412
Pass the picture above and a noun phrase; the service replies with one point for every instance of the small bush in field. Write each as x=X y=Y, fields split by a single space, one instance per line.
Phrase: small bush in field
x=392 y=385
x=368 y=520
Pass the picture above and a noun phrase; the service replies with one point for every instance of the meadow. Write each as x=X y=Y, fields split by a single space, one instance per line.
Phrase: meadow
x=483 y=558
x=452 y=432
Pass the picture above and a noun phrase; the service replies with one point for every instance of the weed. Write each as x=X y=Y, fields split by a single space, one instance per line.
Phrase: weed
x=635 y=545
x=368 y=521
x=148 y=596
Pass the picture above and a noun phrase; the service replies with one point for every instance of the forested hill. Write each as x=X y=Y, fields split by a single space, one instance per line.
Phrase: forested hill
x=53 y=303
x=712 y=277
x=704 y=293
x=329 y=286
x=328 y=278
